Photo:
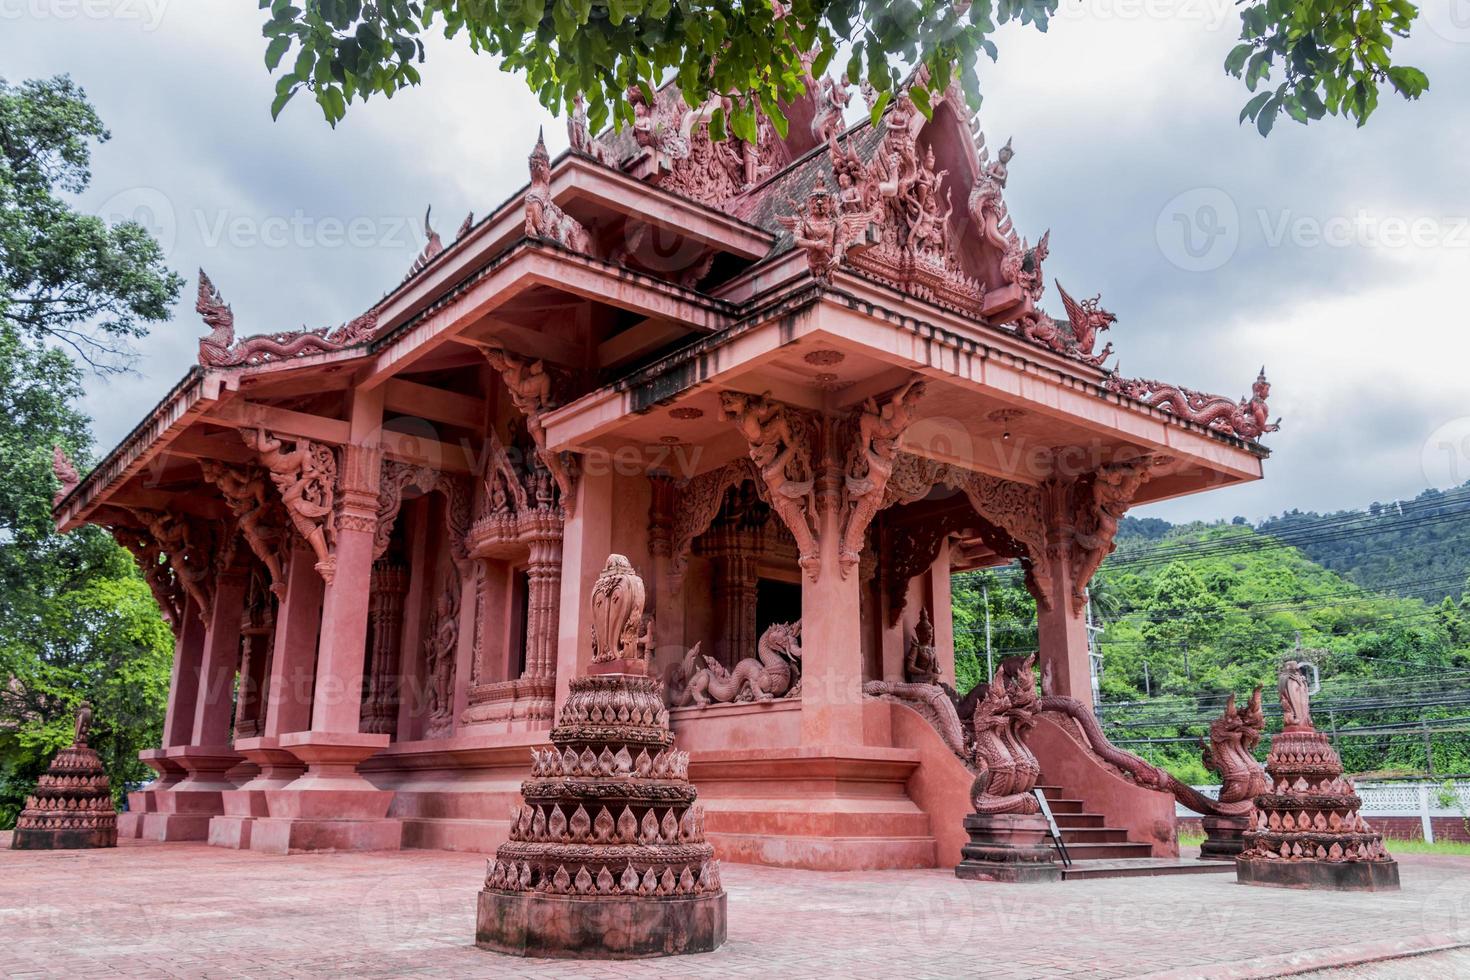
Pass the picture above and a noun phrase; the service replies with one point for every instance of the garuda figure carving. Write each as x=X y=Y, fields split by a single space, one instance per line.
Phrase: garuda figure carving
x=306 y=479
x=870 y=463
x=780 y=443
x=815 y=229
x=1109 y=494
x=219 y=348
x=544 y=219
x=1005 y=769
x=157 y=572
x=189 y=547
x=245 y=493
x=617 y=612
x=530 y=387
x=1230 y=751
x=65 y=473
x=832 y=99
x=752 y=679
x=1246 y=419
x=1296 y=708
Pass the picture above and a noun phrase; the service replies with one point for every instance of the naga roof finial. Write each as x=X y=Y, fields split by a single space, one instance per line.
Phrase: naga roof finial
x=538 y=152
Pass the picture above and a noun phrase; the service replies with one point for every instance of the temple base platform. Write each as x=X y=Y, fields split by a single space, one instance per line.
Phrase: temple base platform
x=1224 y=838
x=1343 y=876
x=63 y=840
x=569 y=927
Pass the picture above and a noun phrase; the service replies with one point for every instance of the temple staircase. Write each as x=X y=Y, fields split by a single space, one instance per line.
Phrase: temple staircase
x=1100 y=851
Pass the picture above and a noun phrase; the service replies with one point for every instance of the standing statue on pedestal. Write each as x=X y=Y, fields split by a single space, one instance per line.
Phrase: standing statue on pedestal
x=1308 y=830
x=921 y=665
x=606 y=857
x=72 y=804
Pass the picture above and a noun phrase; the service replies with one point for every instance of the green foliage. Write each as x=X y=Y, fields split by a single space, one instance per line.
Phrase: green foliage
x=76 y=620
x=344 y=49
x=1332 y=55
x=65 y=276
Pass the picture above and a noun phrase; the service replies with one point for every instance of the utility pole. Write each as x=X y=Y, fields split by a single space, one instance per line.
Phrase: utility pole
x=989 y=660
x=1148 y=690
x=1094 y=658
x=1187 y=672
x=1428 y=745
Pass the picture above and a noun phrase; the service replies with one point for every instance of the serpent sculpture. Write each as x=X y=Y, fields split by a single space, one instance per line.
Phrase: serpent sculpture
x=1005 y=769
x=1150 y=776
x=763 y=679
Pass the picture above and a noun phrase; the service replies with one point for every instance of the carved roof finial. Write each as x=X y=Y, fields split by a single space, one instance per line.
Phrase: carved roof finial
x=65 y=473
x=538 y=153
x=1006 y=153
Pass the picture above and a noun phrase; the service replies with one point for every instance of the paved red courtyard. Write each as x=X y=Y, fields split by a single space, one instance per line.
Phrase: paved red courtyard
x=182 y=910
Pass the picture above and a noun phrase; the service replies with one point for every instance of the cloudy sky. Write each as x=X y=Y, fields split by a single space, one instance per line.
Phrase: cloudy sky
x=1338 y=257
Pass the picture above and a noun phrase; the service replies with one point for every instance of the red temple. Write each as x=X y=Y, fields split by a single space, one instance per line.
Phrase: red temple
x=798 y=383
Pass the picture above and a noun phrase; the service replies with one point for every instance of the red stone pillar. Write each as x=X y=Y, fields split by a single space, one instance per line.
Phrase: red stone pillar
x=831 y=636
x=585 y=546
x=330 y=806
x=286 y=691
x=380 y=712
x=186 y=810
x=1061 y=626
x=178 y=724
x=941 y=612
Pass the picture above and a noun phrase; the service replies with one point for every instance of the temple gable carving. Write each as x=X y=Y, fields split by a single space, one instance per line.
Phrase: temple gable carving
x=258 y=516
x=220 y=348
x=871 y=456
x=531 y=390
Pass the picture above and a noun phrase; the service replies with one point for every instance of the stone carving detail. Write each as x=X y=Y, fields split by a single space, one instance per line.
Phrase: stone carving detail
x=1087 y=319
x=530 y=387
x=608 y=817
x=385 y=625
x=397 y=478
x=220 y=349
x=306 y=479
x=934 y=705
x=433 y=247
x=870 y=461
x=1246 y=419
x=257 y=516
x=815 y=228
x=1308 y=830
x=920 y=664
x=781 y=441
x=544 y=219
x=685 y=160
x=1014 y=515
x=773 y=673
x=579 y=135
x=65 y=473
x=72 y=804
x=190 y=546
x=1230 y=750
x=617 y=612
x=257 y=628
x=1105 y=495
x=157 y=571
x=700 y=499
x=1131 y=766
x=833 y=95
x=441 y=650
x=1005 y=769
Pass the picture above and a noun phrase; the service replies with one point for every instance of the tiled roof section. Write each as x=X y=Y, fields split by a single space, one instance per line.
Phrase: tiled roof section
x=783 y=192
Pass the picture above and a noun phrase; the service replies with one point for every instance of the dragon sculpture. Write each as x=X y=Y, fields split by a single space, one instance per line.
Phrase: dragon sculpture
x=764 y=679
x=66 y=474
x=1149 y=776
x=1005 y=769
x=220 y=349
x=1246 y=419
x=1087 y=320
x=1229 y=751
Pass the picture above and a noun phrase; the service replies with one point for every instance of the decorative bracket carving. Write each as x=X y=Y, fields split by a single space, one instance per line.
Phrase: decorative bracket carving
x=781 y=441
x=871 y=456
x=258 y=521
x=1099 y=501
x=306 y=479
x=531 y=392
x=699 y=502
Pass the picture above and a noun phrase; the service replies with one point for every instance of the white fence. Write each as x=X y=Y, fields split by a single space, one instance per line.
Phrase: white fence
x=1396 y=799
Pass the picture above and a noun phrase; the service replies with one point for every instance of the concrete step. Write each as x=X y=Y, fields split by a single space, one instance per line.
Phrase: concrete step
x=1067 y=820
x=1143 y=868
x=1064 y=805
x=1094 y=835
x=1108 y=851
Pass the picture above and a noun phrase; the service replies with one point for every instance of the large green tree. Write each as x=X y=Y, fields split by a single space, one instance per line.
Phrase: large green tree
x=77 y=621
x=65 y=276
x=1304 y=58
